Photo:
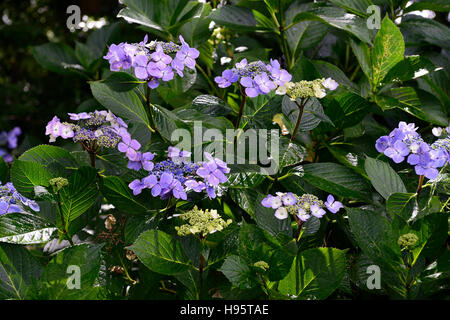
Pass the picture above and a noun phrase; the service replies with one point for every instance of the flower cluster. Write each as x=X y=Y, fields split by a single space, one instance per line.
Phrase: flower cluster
x=306 y=89
x=405 y=142
x=99 y=127
x=407 y=241
x=9 y=140
x=302 y=207
x=152 y=61
x=256 y=77
x=12 y=201
x=177 y=175
x=201 y=222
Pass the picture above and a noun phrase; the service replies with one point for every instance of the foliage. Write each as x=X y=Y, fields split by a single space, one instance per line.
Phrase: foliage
x=131 y=213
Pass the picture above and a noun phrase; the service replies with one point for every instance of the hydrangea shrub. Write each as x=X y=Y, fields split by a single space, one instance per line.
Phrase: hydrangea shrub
x=356 y=126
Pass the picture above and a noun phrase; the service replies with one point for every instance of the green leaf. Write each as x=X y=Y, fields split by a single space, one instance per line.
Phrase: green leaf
x=435 y=5
x=80 y=194
x=56 y=160
x=418 y=29
x=25 y=175
x=402 y=205
x=18 y=270
x=362 y=53
x=24 y=228
x=338 y=18
x=211 y=105
x=233 y=17
x=407 y=69
x=315 y=274
x=57 y=57
x=374 y=236
x=388 y=50
x=238 y=273
x=121 y=81
x=84 y=54
x=58 y=275
x=123 y=104
x=161 y=253
x=116 y=191
x=166 y=121
x=384 y=179
x=336 y=179
x=3 y=171
x=99 y=39
x=312 y=115
x=160 y=16
x=357 y=7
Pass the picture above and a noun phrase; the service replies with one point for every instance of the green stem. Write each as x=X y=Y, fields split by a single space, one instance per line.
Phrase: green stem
x=241 y=109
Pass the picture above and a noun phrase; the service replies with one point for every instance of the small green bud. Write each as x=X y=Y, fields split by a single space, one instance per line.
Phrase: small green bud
x=262 y=265
x=407 y=240
x=59 y=183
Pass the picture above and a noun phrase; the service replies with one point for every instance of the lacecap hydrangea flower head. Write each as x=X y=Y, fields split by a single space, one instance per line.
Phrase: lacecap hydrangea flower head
x=12 y=201
x=256 y=77
x=153 y=62
x=201 y=222
x=404 y=142
x=177 y=175
x=308 y=89
x=8 y=142
x=303 y=207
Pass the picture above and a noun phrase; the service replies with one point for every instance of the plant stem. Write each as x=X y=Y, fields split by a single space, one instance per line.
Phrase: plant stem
x=201 y=267
x=241 y=109
x=419 y=187
x=299 y=118
x=299 y=223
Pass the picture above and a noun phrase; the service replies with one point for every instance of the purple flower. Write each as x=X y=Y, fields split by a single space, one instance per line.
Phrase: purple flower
x=187 y=55
x=160 y=59
x=177 y=155
x=6 y=207
x=178 y=66
x=289 y=199
x=213 y=171
x=140 y=68
x=302 y=215
x=12 y=137
x=164 y=183
x=332 y=205
x=272 y=202
x=228 y=77
x=264 y=84
x=397 y=152
x=66 y=131
x=197 y=186
x=137 y=186
x=382 y=143
x=128 y=145
x=317 y=211
x=280 y=77
x=251 y=89
x=153 y=83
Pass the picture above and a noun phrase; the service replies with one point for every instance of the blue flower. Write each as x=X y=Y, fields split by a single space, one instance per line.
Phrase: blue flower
x=397 y=152
x=332 y=205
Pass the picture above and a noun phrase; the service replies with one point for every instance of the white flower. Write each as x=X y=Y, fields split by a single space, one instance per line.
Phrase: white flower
x=437 y=131
x=330 y=84
x=281 y=213
x=302 y=215
x=225 y=60
x=240 y=49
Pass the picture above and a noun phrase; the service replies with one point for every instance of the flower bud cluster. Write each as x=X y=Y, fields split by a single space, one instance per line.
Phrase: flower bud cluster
x=201 y=222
